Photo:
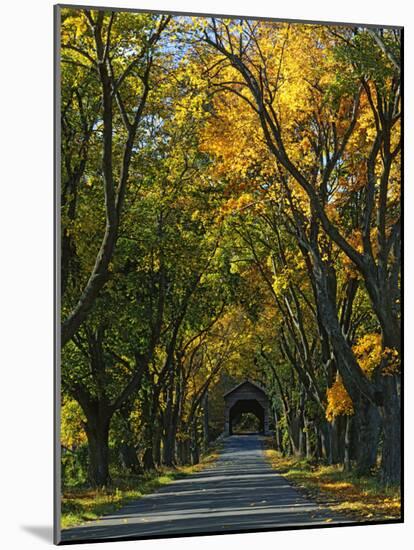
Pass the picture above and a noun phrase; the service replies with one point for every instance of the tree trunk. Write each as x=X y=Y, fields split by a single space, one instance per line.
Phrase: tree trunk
x=157 y=445
x=361 y=390
x=318 y=445
x=194 y=446
x=205 y=423
x=169 y=428
x=302 y=440
x=129 y=458
x=335 y=442
x=169 y=446
x=148 y=459
x=278 y=435
x=180 y=445
x=148 y=456
x=325 y=439
x=195 y=452
x=307 y=430
x=347 y=444
x=368 y=423
x=97 y=431
x=168 y=449
x=294 y=430
x=391 y=451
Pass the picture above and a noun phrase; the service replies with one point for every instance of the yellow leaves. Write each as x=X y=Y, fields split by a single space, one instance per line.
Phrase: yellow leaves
x=300 y=199
x=195 y=215
x=73 y=27
x=233 y=136
x=368 y=352
x=190 y=106
x=291 y=273
x=339 y=401
x=72 y=431
x=340 y=486
x=281 y=281
x=303 y=70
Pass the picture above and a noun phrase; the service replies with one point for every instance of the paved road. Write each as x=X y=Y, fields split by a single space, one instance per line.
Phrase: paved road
x=238 y=492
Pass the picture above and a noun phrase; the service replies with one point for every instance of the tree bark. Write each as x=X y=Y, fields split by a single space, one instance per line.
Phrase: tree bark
x=368 y=421
x=205 y=422
x=129 y=458
x=148 y=459
x=157 y=444
x=307 y=430
x=391 y=452
x=97 y=432
x=325 y=438
x=194 y=446
x=278 y=434
x=335 y=442
x=347 y=444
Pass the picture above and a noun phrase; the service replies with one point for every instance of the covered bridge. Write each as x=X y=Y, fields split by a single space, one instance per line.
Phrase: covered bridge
x=243 y=398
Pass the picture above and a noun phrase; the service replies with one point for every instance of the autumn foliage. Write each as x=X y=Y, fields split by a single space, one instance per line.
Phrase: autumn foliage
x=230 y=209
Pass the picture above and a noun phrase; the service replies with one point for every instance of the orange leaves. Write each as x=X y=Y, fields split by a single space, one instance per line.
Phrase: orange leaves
x=339 y=401
x=355 y=240
x=244 y=203
x=237 y=204
x=392 y=362
x=371 y=356
x=332 y=212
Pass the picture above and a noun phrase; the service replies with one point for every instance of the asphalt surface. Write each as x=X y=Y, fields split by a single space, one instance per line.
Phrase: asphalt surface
x=238 y=492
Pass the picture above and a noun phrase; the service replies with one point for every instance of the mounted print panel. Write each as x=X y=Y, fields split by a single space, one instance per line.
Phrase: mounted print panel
x=228 y=350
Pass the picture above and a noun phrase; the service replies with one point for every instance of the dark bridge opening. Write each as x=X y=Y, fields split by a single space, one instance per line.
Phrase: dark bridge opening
x=238 y=413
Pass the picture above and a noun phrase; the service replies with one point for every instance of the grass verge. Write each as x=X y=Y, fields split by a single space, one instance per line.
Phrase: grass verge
x=85 y=504
x=360 y=499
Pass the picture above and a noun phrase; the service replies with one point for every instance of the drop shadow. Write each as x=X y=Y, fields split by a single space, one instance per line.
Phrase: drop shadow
x=42 y=532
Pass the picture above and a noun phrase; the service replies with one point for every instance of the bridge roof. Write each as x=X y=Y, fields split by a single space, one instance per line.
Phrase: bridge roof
x=248 y=382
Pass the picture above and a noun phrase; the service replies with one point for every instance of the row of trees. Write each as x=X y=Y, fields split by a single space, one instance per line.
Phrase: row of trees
x=230 y=203
x=322 y=123
x=144 y=331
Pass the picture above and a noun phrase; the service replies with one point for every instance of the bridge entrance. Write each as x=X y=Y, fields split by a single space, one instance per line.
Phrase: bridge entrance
x=247 y=397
